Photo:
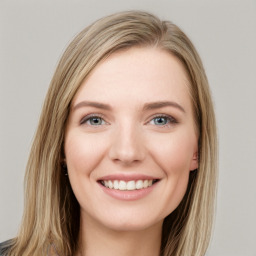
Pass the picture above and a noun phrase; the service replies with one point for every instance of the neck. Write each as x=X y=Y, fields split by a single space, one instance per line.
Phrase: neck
x=95 y=239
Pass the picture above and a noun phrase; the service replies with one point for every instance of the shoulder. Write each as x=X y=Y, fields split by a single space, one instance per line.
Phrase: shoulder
x=4 y=247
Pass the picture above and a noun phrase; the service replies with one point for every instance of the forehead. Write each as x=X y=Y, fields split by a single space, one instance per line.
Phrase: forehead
x=138 y=74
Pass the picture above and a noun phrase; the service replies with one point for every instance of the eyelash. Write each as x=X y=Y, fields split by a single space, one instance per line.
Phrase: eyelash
x=89 y=117
x=170 y=119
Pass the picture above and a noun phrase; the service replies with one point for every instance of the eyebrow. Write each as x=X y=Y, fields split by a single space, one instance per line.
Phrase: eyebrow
x=161 y=104
x=92 y=104
x=146 y=107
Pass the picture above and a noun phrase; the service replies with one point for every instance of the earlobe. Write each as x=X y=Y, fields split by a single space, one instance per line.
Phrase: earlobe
x=64 y=166
x=194 y=162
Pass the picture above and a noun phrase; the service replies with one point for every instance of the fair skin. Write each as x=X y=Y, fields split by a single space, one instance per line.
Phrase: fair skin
x=130 y=145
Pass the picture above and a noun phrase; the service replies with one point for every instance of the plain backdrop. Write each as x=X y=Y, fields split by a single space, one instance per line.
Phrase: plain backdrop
x=33 y=35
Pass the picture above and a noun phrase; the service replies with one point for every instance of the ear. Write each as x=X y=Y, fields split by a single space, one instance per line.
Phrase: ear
x=63 y=163
x=194 y=161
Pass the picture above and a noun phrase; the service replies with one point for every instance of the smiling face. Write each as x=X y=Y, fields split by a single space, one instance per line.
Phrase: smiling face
x=130 y=140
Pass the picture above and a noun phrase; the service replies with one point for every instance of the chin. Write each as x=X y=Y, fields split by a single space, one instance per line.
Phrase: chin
x=131 y=225
x=130 y=221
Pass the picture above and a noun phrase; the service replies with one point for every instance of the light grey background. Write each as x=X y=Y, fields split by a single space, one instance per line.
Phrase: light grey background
x=33 y=35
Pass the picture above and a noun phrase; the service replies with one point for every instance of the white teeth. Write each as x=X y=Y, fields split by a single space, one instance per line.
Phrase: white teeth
x=110 y=184
x=129 y=185
x=116 y=184
x=145 y=183
x=122 y=185
x=139 y=184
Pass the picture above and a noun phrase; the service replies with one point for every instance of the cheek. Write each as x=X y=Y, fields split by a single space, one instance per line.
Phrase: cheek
x=83 y=153
x=174 y=153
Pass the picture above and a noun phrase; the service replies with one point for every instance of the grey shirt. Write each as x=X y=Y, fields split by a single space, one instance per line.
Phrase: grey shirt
x=4 y=247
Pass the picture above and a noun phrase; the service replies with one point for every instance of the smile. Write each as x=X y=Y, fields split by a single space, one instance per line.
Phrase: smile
x=127 y=185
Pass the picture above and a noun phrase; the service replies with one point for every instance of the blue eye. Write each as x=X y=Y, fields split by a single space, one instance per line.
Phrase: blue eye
x=93 y=121
x=162 y=120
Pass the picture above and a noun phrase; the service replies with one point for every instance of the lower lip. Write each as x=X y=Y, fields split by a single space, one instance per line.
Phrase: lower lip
x=128 y=195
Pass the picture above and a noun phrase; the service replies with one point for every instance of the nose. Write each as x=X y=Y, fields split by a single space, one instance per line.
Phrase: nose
x=127 y=145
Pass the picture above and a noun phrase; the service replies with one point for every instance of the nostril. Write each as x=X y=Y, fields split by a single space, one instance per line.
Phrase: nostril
x=127 y=147
x=126 y=156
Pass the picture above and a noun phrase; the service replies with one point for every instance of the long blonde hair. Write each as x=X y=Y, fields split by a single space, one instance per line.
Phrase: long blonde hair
x=51 y=212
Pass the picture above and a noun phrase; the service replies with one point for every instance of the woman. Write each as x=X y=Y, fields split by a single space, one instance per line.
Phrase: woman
x=124 y=158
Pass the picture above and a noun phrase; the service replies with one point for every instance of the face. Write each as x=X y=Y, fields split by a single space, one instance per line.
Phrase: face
x=130 y=141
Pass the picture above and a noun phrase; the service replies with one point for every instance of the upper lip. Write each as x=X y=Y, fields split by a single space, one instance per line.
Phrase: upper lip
x=127 y=177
